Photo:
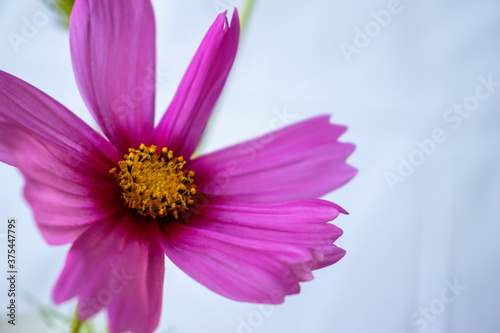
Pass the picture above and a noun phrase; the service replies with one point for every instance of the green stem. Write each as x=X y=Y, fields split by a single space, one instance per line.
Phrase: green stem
x=245 y=14
x=76 y=325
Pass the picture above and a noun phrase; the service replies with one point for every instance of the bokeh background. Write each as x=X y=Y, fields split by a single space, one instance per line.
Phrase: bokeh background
x=423 y=236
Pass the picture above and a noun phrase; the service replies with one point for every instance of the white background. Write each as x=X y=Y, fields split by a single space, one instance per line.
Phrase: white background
x=440 y=224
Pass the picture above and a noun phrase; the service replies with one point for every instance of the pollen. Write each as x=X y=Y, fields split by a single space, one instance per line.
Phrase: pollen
x=155 y=184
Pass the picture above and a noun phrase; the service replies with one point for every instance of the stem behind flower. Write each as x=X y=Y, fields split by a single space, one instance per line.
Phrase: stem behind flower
x=245 y=14
x=76 y=324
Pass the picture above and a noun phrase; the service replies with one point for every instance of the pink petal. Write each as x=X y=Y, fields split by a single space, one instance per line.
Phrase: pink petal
x=66 y=191
x=253 y=252
x=113 y=53
x=301 y=161
x=184 y=122
x=65 y=163
x=25 y=106
x=116 y=264
x=329 y=255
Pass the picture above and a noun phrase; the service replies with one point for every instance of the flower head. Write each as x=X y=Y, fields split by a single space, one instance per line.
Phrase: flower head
x=245 y=222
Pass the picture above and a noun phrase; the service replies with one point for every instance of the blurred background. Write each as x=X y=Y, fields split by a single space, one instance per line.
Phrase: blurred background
x=418 y=84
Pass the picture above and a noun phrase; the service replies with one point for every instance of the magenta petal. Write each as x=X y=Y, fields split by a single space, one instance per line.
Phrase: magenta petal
x=113 y=53
x=253 y=252
x=184 y=122
x=36 y=113
x=301 y=161
x=65 y=189
x=329 y=255
x=116 y=264
x=65 y=163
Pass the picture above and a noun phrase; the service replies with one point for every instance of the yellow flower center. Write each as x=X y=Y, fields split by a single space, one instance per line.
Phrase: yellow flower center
x=155 y=184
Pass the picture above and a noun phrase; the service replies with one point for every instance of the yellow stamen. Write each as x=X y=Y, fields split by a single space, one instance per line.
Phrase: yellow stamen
x=155 y=184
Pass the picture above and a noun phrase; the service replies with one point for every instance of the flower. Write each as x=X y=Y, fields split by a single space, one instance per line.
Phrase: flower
x=244 y=221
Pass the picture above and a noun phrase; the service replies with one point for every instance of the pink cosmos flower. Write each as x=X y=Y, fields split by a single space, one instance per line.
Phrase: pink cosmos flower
x=243 y=221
